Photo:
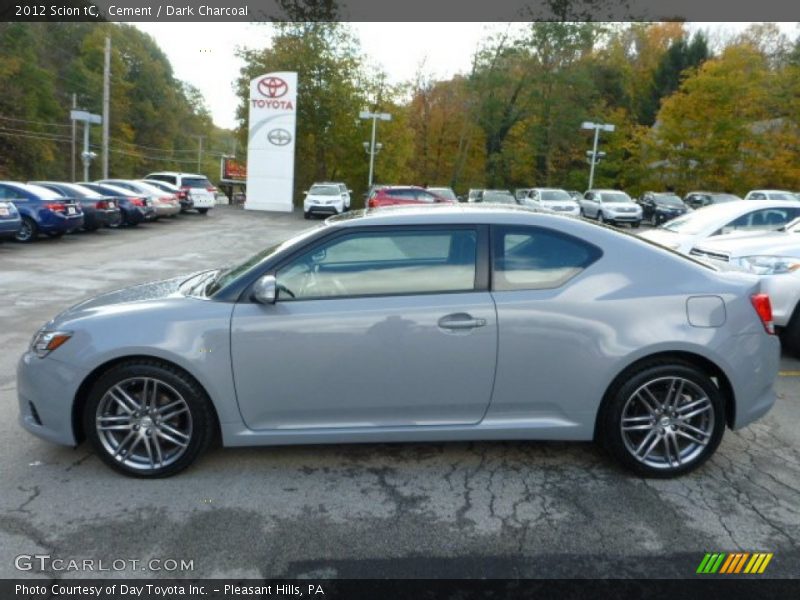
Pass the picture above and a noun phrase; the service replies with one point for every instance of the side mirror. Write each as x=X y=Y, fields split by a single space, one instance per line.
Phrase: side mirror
x=265 y=290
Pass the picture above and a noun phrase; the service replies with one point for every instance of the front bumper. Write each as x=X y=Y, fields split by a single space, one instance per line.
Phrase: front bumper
x=46 y=390
x=624 y=217
x=328 y=209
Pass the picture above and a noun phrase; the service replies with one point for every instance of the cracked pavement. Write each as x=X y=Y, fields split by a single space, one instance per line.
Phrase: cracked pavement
x=507 y=509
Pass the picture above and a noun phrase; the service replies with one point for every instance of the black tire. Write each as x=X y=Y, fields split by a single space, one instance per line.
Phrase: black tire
x=636 y=224
x=198 y=415
x=790 y=335
x=306 y=215
x=202 y=211
x=626 y=393
x=28 y=232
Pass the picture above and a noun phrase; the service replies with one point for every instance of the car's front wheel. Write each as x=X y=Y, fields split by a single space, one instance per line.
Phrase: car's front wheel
x=146 y=418
x=664 y=419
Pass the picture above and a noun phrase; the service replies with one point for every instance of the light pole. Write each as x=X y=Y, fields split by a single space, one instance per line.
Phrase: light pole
x=373 y=149
x=593 y=153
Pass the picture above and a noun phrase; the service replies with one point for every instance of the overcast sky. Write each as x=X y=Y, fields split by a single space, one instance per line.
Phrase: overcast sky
x=203 y=54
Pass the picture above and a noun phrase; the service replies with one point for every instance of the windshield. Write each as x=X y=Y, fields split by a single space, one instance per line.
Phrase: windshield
x=443 y=192
x=42 y=192
x=781 y=196
x=696 y=222
x=224 y=277
x=717 y=198
x=324 y=190
x=81 y=191
x=615 y=197
x=669 y=200
x=499 y=198
x=555 y=196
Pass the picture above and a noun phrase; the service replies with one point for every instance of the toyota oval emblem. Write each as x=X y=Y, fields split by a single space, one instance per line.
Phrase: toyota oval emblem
x=273 y=87
x=279 y=137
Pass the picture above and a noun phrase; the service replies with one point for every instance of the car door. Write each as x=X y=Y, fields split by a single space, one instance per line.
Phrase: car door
x=545 y=369
x=371 y=329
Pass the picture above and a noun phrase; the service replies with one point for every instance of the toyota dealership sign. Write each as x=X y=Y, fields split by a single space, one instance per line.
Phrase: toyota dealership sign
x=270 y=149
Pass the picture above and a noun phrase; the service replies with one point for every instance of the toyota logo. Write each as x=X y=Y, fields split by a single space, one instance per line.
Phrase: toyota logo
x=273 y=87
x=279 y=137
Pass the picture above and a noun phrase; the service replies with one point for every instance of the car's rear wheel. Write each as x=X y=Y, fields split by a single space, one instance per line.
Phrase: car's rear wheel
x=145 y=418
x=664 y=419
x=27 y=232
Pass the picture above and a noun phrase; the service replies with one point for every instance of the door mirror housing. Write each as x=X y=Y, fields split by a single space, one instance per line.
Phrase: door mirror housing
x=265 y=290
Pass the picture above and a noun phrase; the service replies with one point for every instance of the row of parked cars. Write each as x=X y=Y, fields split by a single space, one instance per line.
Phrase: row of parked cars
x=53 y=208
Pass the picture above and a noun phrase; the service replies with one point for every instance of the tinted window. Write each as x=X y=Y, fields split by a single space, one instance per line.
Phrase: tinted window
x=399 y=262
x=9 y=193
x=196 y=182
x=168 y=178
x=615 y=197
x=555 y=195
x=534 y=259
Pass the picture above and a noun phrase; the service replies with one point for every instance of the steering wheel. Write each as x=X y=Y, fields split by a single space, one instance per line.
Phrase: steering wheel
x=282 y=288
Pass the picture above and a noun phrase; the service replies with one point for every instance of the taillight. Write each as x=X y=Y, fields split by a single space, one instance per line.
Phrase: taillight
x=211 y=189
x=136 y=201
x=181 y=194
x=56 y=207
x=372 y=203
x=763 y=308
x=101 y=204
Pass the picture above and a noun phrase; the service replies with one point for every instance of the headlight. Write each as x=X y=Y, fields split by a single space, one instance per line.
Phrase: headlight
x=769 y=265
x=44 y=342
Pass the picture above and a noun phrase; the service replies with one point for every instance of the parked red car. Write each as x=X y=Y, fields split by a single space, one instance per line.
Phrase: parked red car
x=392 y=195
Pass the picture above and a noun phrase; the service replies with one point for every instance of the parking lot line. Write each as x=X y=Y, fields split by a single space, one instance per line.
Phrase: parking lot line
x=789 y=373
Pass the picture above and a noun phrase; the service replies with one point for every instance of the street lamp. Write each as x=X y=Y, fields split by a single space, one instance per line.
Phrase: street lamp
x=592 y=154
x=372 y=148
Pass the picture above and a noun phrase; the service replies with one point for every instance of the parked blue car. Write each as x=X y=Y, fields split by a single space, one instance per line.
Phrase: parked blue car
x=98 y=210
x=42 y=210
x=134 y=207
x=10 y=221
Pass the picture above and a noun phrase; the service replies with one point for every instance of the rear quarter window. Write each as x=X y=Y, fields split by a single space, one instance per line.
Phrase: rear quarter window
x=534 y=258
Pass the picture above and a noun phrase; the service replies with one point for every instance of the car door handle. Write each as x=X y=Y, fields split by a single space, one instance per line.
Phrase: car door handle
x=460 y=321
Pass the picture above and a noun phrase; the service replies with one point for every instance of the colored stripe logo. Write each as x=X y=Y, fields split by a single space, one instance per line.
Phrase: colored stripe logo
x=734 y=563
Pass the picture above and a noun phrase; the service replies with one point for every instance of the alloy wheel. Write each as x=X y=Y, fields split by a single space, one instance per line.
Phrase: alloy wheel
x=667 y=423
x=144 y=423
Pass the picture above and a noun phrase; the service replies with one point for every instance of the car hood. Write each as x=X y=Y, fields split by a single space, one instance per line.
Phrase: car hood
x=125 y=298
x=776 y=243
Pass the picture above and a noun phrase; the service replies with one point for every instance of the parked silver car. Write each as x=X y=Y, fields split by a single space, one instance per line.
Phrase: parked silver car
x=553 y=199
x=467 y=324
x=611 y=206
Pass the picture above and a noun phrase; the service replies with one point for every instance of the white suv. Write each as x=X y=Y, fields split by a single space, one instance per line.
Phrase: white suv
x=197 y=187
x=326 y=199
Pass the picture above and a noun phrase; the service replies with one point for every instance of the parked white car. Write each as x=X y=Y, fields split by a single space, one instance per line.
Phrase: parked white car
x=775 y=256
x=198 y=188
x=683 y=233
x=611 y=206
x=770 y=195
x=553 y=199
x=324 y=199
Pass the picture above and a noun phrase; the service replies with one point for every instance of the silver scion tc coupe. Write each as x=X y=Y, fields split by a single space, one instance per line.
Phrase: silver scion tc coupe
x=467 y=324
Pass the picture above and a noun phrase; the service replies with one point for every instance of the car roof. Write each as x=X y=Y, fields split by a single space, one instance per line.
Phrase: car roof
x=770 y=192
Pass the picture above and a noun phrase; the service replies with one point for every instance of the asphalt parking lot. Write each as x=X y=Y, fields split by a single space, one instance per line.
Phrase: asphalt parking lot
x=514 y=509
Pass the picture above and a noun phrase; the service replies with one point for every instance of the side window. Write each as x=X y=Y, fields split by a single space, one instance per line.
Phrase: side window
x=9 y=193
x=385 y=263
x=758 y=196
x=423 y=196
x=529 y=258
x=768 y=218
